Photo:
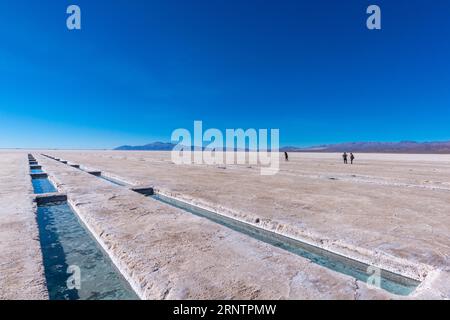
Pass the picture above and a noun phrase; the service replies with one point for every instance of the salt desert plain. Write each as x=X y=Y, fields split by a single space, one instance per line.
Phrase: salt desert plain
x=391 y=211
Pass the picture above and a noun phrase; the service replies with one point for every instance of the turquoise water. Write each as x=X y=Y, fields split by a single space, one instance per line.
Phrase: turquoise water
x=66 y=243
x=36 y=171
x=42 y=185
x=389 y=281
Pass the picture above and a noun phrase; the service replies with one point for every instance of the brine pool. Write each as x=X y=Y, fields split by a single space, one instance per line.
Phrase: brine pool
x=42 y=185
x=70 y=253
x=389 y=281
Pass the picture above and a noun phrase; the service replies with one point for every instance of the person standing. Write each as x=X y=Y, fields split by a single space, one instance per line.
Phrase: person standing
x=344 y=156
x=352 y=157
x=286 y=157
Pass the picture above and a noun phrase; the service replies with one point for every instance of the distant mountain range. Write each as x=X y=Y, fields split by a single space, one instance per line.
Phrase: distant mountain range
x=379 y=147
x=369 y=147
x=155 y=146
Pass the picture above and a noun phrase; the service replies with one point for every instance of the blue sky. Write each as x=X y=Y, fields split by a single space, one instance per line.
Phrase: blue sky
x=140 y=69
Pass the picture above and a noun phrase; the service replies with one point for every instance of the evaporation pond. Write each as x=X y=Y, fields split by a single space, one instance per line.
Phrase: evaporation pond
x=42 y=185
x=66 y=246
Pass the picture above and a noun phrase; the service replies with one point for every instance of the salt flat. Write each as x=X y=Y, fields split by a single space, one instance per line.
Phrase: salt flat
x=21 y=266
x=389 y=210
x=166 y=253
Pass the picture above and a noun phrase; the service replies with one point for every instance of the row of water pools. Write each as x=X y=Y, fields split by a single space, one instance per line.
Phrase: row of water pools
x=391 y=282
x=76 y=267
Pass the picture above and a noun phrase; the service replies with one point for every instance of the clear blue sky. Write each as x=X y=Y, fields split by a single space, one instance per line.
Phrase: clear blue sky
x=139 y=69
